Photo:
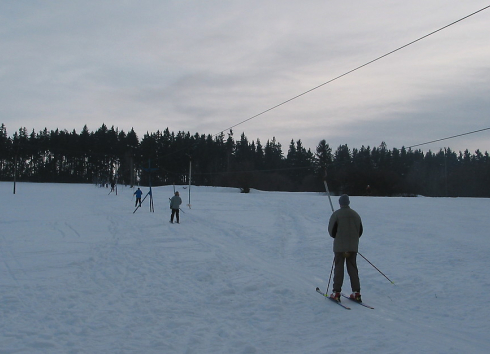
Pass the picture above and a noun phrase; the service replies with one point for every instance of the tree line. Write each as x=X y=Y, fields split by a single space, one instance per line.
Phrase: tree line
x=111 y=155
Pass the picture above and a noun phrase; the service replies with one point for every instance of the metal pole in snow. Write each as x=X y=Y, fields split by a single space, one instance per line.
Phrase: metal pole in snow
x=331 y=205
x=190 y=176
x=15 y=171
x=326 y=188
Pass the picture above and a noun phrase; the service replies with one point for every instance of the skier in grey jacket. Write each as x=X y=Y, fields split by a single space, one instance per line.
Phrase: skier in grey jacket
x=345 y=226
x=175 y=206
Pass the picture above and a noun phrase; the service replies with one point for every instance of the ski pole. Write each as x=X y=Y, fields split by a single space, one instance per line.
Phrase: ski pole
x=376 y=268
x=330 y=277
x=141 y=202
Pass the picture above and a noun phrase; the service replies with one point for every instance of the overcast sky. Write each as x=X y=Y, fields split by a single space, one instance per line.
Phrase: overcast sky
x=204 y=66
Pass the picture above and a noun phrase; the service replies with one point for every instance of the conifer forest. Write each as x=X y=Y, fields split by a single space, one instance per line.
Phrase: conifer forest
x=162 y=158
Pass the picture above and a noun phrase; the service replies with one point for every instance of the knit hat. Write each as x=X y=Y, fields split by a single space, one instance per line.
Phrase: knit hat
x=344 y=200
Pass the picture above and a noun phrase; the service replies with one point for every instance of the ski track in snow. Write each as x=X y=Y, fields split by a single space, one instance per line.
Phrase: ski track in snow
x=80 y=273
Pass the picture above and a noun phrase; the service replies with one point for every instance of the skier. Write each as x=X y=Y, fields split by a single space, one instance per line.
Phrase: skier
x=345 y=226
x=175 y=206
x=138 y=194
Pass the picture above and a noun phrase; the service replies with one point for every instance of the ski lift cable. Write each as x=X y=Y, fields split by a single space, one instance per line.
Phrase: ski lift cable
x=345 y=74
x=449 y=137
x=352 y=70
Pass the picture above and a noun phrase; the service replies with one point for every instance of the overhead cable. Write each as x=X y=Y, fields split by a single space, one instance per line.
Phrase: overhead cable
x=351 y=71
x=449 y=137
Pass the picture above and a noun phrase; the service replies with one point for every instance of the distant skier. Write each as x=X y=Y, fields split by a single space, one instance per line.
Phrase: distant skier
x=175 y=207
x=345 y=226
x=138 y=194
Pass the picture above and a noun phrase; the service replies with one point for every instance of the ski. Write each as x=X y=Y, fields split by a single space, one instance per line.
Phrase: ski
x=328 y=297
x=359 y=302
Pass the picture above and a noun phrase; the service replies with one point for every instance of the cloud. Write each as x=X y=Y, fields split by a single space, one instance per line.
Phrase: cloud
x=205 y=66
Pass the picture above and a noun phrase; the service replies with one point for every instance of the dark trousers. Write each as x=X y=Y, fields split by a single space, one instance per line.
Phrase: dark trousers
x=176 y=213
x=138 y=200
x=349 y=258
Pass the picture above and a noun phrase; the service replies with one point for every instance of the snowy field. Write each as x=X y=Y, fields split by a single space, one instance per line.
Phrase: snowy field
x=80 y=273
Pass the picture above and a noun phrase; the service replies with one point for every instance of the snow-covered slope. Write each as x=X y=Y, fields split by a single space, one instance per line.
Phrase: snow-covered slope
x=80 y=273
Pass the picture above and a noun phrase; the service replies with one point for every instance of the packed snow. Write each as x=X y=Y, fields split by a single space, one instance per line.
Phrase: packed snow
x=81 y=273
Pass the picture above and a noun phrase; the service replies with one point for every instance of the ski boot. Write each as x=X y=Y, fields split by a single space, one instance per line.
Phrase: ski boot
x=335 y=296
x=356 y=296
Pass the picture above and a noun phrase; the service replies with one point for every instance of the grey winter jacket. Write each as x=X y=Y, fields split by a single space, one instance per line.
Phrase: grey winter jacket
x=345 y=226
x=175 y=202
